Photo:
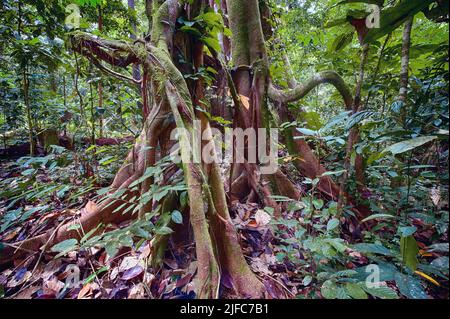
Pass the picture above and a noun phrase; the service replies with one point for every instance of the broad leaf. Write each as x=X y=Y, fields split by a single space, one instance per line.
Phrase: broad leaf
x=409 y=251
x=408 y=145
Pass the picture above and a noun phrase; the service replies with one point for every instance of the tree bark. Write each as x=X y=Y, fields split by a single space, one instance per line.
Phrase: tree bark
x=404 y=73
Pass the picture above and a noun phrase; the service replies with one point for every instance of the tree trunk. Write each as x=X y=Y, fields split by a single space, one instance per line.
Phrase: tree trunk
x=100 y=84
x=26 y=100
x=404 y=73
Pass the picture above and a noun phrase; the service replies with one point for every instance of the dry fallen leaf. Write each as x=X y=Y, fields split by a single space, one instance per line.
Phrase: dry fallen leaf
x=245 y=101
x=53 y=286
x=435 y=195
x=259 y=266
x=262 y=218
x=85 y=291
x=137 y=292
x=21 y=276
x=114 y=273
x=145 y=252
x=27 y=293
x=128 y=262
x=132 y=273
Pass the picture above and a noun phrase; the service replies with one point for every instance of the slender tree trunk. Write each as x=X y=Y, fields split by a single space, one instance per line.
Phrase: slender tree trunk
x=92 y=114
x=26 y=99
x=100 y=84
x=353 y=138
x=404 y=73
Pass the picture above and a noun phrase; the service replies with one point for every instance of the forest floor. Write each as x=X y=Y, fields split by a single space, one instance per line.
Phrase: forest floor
x=271 y=247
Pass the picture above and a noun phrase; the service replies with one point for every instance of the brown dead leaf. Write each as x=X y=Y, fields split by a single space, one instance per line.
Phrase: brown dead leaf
x=52 y=267
x=145 y=252
x=245 y=101
x=259 y=266
x=148 y=278
x=184 y=281
x=27 y=293
x=435 y=195
x=85 y=291
x=188 y=288
x=132 y=273
x=12 y=234
x=170 y=288
x=53 y=286
x=114 y=273
x=137 y=292
x=171 y=263
x=19 y=280
x=262 y=218
x=192 y=267
x=128 y=262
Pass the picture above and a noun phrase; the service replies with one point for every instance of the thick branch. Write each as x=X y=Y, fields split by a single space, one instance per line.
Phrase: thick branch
x=331 y=77
x=108 y=71
x=116 y=53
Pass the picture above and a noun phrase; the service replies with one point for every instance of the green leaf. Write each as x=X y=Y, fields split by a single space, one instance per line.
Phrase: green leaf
x=407 y=231
x=355 y=291
x=65 y=246
x=74 y=227
x=92 y=3
x=410 y=287
x=177 y=217
x=142 y=233
x=307 y=280
x=318 y=203
x=358 y=118
x=28 y=172
x=378 y=216
x=441 y=263
x=408 y=145
x=342 y=41
x=329 y=289
x=307 y=132
x=191 y=30
x=409 y=251
x=163 y=231
x=345 y=273
x=386 y=270
x=342 y=293
x=381 y=292
x=95 y=274
x=372 y=249
x=333 y=173
x=112 y=247
x=126 y=241
x=439 y=247
x=332 y=224
x=212 y=43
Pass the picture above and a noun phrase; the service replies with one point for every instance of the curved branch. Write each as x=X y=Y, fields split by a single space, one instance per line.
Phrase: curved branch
x=108 y=71
x=106 y=50
x=331 y=77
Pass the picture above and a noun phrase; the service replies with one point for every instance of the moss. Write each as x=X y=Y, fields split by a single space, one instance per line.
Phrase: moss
x=238 y=17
